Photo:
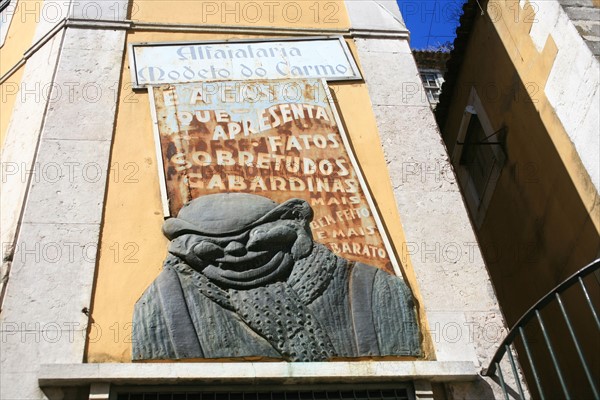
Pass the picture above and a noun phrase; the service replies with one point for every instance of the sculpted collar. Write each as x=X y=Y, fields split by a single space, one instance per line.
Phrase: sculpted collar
x=309 y=277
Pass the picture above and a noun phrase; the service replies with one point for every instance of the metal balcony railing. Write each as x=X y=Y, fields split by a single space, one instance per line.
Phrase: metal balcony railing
x=542 y=372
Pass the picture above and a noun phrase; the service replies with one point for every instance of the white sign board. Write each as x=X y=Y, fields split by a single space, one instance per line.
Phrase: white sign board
x=318 y=57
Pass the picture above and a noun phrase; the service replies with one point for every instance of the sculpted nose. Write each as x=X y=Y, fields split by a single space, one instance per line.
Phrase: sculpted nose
x=235 y=248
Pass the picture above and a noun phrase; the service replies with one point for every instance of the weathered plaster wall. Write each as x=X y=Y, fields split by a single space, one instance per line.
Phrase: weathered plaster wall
x=585 y=15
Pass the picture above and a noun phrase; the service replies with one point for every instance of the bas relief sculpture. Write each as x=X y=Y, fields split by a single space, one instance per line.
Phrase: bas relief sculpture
x=244 y=278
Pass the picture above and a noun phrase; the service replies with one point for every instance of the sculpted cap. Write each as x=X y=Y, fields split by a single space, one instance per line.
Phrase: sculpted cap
x=230 y=213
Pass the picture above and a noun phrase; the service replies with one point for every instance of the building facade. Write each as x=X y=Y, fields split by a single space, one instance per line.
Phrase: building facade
x=519 y=115
x=87 y=183
x=432 y=67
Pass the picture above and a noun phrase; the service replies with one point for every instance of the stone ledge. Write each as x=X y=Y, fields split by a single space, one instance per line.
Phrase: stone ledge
x=56 y=375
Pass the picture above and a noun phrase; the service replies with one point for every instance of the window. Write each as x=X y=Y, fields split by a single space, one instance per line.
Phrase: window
x=432 y=81
x=429 y=80
x=478 y=158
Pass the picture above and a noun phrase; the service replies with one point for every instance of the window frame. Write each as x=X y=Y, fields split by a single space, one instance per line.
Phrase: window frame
x=439 y=80
x=477 y=204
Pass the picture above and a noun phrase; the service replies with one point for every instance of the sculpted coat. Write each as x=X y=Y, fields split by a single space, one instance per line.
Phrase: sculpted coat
x=244 y=278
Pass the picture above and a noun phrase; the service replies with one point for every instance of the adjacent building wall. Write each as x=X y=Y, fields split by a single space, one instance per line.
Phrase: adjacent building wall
x=537 y=79
x=539 y=228
x=567 y=85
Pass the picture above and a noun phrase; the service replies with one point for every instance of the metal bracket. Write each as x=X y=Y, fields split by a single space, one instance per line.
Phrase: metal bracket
x=485 y=142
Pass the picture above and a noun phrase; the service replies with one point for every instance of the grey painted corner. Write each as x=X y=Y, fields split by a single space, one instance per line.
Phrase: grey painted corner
x=18 y=152
x=29 y=114
x=456 y=291
x=59 y=144
x=50 y=282
x=372 y=15
x=94 y=10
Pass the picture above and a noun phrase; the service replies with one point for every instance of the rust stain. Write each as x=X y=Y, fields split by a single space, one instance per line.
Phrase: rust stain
x=283 y=144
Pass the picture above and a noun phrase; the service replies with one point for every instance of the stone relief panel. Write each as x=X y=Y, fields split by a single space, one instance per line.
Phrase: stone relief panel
x=277 y=250
x=244 y=278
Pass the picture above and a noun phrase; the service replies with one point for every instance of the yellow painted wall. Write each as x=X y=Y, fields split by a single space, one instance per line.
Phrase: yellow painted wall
x=133 y=210
x=534 y=68
x=542 y=224
x=20 y=33
x=290 y=14
x=9 y=94
x=18 y=40
x=543 y=217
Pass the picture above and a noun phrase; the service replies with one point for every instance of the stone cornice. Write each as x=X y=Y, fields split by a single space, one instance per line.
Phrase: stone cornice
x=57 y=375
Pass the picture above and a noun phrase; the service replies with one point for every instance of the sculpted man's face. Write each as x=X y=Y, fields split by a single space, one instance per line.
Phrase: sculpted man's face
x=255 y=257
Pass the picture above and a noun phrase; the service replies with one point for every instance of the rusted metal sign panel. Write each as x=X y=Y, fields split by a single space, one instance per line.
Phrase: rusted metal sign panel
x=278 y=139
x=317 y=57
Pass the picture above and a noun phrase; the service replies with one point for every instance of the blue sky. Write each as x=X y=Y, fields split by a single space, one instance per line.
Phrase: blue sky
x=431 y=22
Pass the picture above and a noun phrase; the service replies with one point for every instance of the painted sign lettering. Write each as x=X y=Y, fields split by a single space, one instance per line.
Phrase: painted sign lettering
x=277 y=139
x=155 y=64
